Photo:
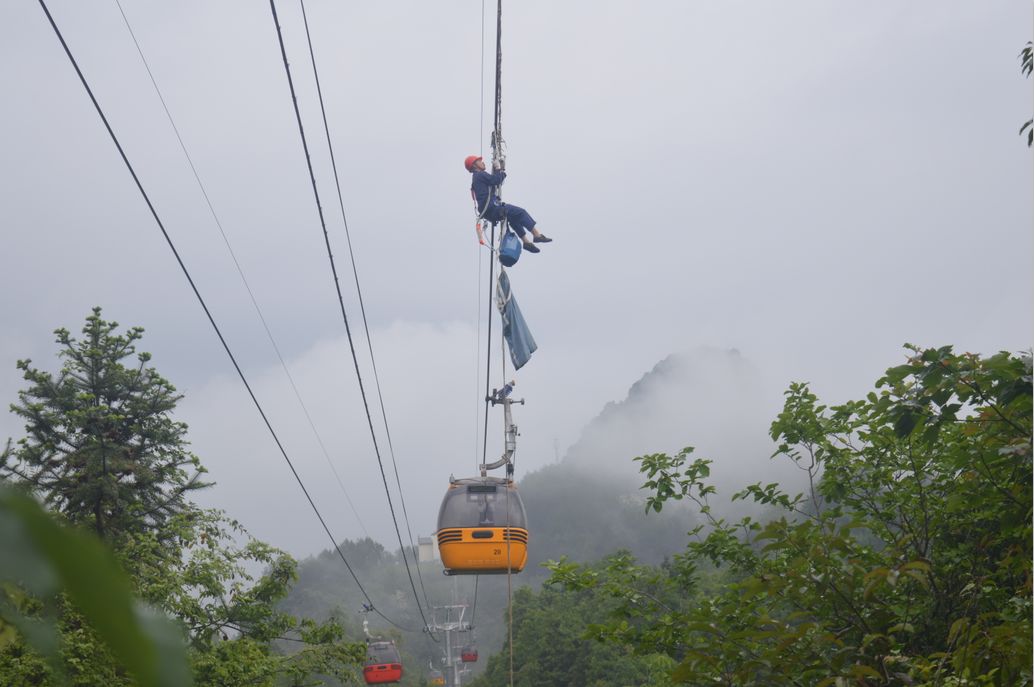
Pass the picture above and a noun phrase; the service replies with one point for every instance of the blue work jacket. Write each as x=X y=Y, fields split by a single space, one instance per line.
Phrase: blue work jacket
x=482 y=185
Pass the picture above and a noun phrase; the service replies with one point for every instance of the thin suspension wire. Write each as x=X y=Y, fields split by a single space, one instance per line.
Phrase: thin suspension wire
x=479 y=256
x=359 y=291
x=509 y=468
x=509 y=607
x=509 y=582
x=477 y=249
x=240 y=271
x=497 y=136
x=481 y=118
x=498 y=74
x=344 y=315
x=497 y=142
x=477 y=349
x=480 y=253
x=488 y=345
x=204 y=305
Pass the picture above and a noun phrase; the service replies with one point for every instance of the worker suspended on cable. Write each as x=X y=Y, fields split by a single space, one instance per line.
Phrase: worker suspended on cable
x=484 y=187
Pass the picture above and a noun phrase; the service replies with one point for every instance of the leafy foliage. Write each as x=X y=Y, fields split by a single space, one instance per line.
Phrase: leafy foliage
x=548 y=649
x=906 y=561
x=49 y=558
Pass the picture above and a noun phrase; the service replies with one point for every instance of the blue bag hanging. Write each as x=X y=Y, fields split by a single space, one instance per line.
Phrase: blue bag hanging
x=509 y=249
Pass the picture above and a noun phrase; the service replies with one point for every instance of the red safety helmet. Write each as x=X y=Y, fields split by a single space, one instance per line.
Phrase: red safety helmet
x=469 y=162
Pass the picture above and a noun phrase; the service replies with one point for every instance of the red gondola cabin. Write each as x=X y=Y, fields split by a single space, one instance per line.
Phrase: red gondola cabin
x=383 y=663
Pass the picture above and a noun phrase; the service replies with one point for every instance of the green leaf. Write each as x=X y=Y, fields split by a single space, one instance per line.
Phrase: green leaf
x=148 y=646
x=905 y=423
x=861 y=671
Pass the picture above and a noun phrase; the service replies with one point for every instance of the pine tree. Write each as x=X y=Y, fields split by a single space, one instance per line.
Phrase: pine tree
x=101 y=446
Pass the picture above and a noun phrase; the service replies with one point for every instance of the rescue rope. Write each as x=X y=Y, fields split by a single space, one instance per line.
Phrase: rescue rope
x=510 y=592
x=488 y=348
x=499 y=155
x=481 y=242
x=498 y=132
x=498 y=158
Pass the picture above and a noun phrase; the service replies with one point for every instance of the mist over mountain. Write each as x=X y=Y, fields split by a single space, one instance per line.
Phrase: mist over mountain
x=591 y=503
x=714 y=400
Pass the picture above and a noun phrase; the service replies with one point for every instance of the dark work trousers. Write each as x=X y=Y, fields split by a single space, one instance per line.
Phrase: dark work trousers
x=519 y=218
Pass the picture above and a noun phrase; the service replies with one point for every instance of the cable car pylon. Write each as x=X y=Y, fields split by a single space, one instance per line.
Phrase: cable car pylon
x=456 y=653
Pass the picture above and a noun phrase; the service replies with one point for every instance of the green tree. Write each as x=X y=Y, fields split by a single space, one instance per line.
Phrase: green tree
x=102 y=451
x=550 y=651
x=906 y=561
x=101 y=446
x=56 y=565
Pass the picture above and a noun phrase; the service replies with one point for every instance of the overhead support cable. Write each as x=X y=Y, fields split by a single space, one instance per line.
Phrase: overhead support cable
x=478 y=251
x=498 y=155
x=359 y=292
x=341 y=302
x=497 y=135
x=204 y=305
x=488 y=346
x=240 y=271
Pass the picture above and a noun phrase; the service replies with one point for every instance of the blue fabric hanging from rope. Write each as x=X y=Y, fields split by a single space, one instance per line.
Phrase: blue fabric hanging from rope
x=515 y=330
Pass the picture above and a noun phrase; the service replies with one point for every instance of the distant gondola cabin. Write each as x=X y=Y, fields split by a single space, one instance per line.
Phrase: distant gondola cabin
x=482 y=527
x=383 y=663
x=469 y=654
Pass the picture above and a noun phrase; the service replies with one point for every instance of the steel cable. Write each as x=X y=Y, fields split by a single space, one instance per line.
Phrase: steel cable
x=204 y=305
x=240 y=271
x=359 y=292
x=341 y=302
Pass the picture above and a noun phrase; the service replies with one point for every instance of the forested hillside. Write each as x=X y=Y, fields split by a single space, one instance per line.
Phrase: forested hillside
x=900 y=554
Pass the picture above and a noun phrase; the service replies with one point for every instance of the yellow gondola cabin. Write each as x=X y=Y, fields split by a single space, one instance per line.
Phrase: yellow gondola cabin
x=482 y=527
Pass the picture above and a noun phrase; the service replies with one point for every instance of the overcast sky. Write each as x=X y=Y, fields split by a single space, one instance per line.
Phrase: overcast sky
x=814 y=183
